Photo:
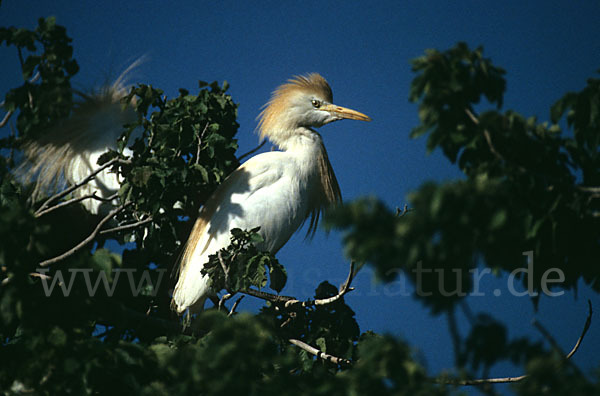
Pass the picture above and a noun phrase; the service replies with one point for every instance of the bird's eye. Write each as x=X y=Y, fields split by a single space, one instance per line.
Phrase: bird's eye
x=316 y=103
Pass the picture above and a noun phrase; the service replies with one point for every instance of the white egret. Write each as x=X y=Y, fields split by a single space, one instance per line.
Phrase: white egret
x=276 y=190
x=69 y=152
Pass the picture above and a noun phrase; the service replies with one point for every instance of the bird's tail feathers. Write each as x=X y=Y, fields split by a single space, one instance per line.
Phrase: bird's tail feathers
x=191 y=290
x=192 y=287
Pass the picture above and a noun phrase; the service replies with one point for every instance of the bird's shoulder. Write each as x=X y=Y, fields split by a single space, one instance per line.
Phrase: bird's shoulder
x=258 y=171
x=266 y=167
x=265 y=161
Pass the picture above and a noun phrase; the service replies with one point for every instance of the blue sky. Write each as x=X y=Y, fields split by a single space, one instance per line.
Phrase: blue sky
x=363 y=49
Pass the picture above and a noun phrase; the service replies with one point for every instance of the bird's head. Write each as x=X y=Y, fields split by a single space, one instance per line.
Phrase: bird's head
x=304 y=101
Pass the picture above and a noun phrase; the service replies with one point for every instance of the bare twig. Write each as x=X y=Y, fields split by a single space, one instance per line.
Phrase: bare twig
x=486 y=134
x=403 y=211
x=11 y=112
x=344 y=288
x=87 y=240
x=483 y=381
x=488 y=139
x=274 y=298
x=586 y=327
x=127 y=226
x=593 y=190
x=200 y=143
x=75 y=200
x=224 y=268
x=6 y=118
x=7 y=280
x=319 y=354
x=235 y=305
x=35 y=77
x=288 y=320
x=223 y=299
x=75 y=186
x=254 y=150
x=21 y=60
x=292 y=301
x=41 y=276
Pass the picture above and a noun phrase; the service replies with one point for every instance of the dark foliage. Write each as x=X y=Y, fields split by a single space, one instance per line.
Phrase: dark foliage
x=98 y=322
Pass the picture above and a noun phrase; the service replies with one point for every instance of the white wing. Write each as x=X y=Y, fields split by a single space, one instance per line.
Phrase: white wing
x=265 y=192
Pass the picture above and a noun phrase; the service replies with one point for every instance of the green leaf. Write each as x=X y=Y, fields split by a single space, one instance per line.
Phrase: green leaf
x=498 y=220
x=277 y=275
x=57 y=337
x=202 y=171
x=141 y=176
x=321 y=344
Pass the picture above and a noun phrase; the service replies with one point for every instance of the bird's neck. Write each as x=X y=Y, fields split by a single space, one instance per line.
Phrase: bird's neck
x=314 y=171
x=299 y=139
x=306 y=147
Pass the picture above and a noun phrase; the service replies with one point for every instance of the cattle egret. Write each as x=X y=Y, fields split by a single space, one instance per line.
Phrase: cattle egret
x=276 y=190
x=69 y=152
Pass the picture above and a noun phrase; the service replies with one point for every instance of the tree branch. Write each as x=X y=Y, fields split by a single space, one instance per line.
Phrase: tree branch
x=482 y=381
x=274 y=298
x=593 y=190
x=505 y=380
x=7 y=280
x=235 y=305
x=223 y=299
x=403 y=211
x=319 y=354
x=21 y=60
x=292 y=301
x=586 y=327
x=87 y=240
x=198 y=149
x=75 y=186
x=127 y=226
x=11 y=112
x=486 y=134
x=343 y=289
x=224 y=268
x=75 y=200
x=6 y=118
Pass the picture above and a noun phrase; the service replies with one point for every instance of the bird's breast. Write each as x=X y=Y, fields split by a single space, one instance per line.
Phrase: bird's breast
x=279 y=208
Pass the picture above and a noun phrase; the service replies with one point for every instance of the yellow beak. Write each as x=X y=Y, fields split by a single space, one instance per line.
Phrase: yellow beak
x=343 y=112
